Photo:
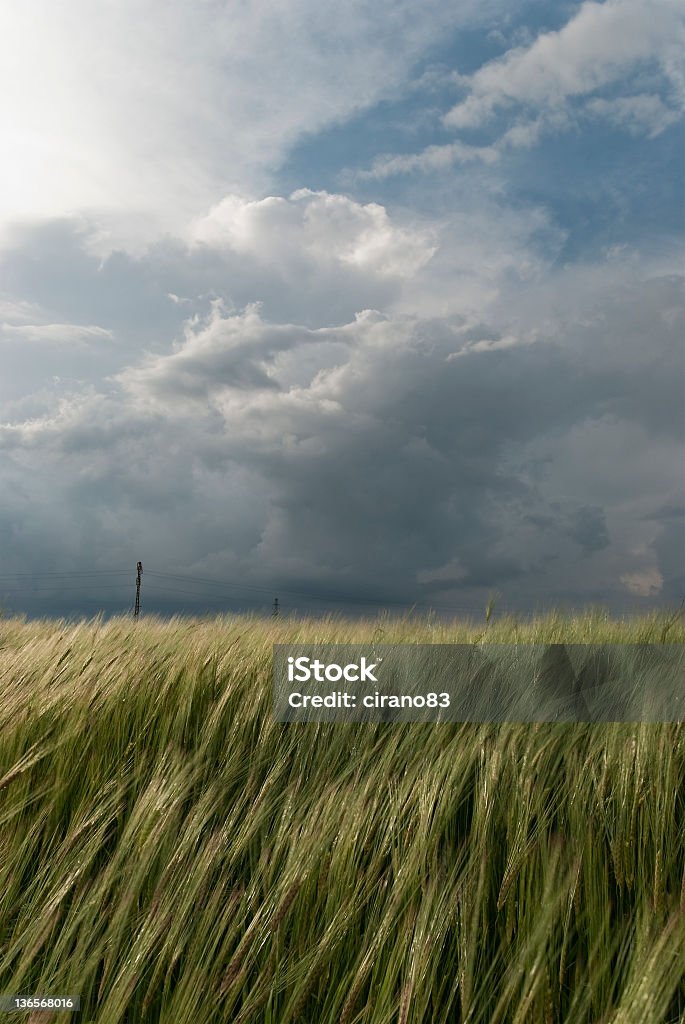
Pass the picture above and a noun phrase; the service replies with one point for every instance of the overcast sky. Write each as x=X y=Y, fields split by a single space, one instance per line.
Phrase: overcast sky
x=361 y=304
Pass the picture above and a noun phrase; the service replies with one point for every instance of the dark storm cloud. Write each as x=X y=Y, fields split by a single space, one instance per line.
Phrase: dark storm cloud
x=466 y=376
x=391 y=456
x=590 y=529
x=361 y=460
x=673 y=510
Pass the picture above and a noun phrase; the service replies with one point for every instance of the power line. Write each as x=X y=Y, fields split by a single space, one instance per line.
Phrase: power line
x=56 y=575
x=29 y=582
x=59 y=574
x=34 y=574
x=312 y=602
x=338 y=599
x=309 y=599
x=32 y=589
x=70 y=580
x=315 y=603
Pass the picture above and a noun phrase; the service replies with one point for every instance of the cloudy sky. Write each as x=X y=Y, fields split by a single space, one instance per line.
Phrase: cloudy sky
x=360 y=305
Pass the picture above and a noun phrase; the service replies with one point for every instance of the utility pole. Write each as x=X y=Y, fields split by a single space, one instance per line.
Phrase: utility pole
x=139 y=569
x=274 y=613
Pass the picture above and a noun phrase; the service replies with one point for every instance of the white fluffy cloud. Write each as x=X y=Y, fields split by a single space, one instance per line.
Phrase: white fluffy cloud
x=318 y=228
x=438 y=157
x=143 y=114
x=544 y=84
x=597 y=47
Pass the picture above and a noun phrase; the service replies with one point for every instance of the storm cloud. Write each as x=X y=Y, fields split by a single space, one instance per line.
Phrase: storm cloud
x=348 y=401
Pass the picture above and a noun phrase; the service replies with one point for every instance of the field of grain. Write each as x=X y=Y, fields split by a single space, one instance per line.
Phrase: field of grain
x=172 y=854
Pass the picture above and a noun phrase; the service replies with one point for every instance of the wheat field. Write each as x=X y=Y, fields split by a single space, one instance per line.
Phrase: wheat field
x=172 y=854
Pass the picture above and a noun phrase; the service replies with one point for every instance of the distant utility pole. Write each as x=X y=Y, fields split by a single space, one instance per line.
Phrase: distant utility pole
x=139 y=569
x=274 y=613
